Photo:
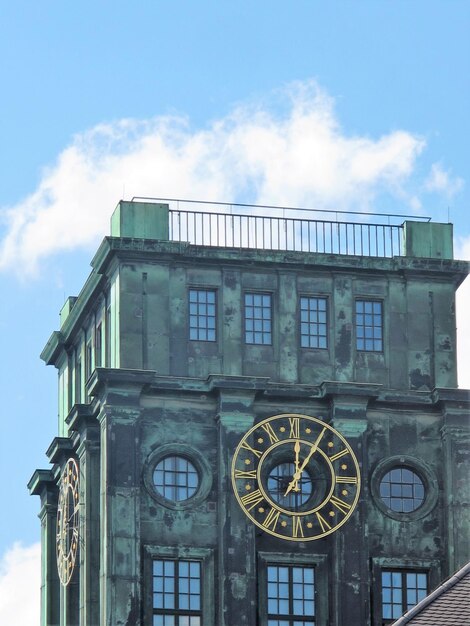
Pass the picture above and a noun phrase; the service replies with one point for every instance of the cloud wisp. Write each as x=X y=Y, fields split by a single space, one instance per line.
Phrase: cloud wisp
x=20 y=580
x=287 y=150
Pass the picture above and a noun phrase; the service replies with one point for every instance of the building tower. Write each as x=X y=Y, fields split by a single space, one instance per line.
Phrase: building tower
x=259 y=422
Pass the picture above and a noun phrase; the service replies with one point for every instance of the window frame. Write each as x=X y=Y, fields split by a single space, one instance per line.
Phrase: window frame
x=246 y=318
x=404 y=589
x=199 y=289
x=366 y=300
x=432 y=567
x=326 y=323
x=205 y=556
x=321 y=586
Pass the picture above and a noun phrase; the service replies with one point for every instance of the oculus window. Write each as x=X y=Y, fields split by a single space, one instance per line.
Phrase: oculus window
x=278 y=482
x=176 y=593
x=176 y=478
x=258 y=318
x=202 y=315
x=369 y=326
x=401 y=590
x=313 y=322
x=402 y=490
x=290 y=595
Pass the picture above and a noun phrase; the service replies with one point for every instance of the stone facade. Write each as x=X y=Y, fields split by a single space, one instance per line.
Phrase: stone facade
x=134 y=389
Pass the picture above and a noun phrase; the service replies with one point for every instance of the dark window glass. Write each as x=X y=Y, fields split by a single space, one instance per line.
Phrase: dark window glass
x=369 y=326
x=98 y=345
x=258 y=318
x=88 y=359
x=176 y=593
x=176 y=478
x=278 y=482
x=202 y=315
x=401 y=590
x=291 y=595
x=402 y=490
x=78 y=379
x=313 y=323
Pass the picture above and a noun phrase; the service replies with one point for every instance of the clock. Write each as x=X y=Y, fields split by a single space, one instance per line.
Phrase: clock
x=68 y=518
x=296 y=477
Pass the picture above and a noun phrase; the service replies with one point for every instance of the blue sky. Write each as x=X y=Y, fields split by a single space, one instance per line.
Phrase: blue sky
x=341 y=104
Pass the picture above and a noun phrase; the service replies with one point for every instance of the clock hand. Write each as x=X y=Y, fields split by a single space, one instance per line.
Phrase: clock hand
x=298 y=473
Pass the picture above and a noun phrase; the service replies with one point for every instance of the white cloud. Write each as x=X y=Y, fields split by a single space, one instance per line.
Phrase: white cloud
x=255 y=154
x=462 y=251
x=20 y=579
x=441 y=181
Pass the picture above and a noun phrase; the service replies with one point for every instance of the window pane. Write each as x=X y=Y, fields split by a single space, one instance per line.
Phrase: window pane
x=310 y=333
x=176 y=478
x=402 y=490
x=369 y=326
x=202 y=315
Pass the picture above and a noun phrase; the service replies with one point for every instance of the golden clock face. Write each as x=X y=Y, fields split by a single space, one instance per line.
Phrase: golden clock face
x=296 y=477
x=67 y=521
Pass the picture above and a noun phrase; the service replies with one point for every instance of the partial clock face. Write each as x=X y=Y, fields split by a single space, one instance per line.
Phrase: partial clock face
x=296 y=477
x=68 y=521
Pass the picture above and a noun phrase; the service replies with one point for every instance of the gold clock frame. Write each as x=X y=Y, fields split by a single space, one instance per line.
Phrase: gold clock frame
x=304 y=438
x=68 y=520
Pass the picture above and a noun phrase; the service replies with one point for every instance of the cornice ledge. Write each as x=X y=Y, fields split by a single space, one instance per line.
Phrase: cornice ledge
x=52 y=348
x=82 y=416
x=59 y=448
x=40 y=480
x=333 y=388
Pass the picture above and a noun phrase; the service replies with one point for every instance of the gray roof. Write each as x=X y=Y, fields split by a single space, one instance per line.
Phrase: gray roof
x=448 y=605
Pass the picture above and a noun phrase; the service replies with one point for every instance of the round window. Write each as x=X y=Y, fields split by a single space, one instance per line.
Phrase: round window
x=278 y=483
x=175 y=478
x=402 y=490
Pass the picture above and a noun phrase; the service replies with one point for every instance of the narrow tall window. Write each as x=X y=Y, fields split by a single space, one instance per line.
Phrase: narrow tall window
x=98 y=345
x=313 y=322
x=258 y=318
x=291 y=595
x=401 y=590
x=88 y=359
x=176 y=593
x=369 y=326
x=202 y=316
x=78 y=378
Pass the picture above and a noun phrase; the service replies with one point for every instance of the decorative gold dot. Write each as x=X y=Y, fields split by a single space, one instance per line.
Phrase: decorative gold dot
x=308 y=431
x=344 y=492
x=330 y=444
x=248 y=487
x=283 y=429
x=260 y=440
x=261 y=510
x=284 y=523
x=332 y=513
x=344 y=466
x=247 y=462
x=309 y=524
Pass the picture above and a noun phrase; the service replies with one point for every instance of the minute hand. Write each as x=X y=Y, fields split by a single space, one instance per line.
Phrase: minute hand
x=312 y=451
x=298 y=472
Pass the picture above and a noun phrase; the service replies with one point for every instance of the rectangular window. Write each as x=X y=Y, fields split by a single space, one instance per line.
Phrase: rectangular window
x=176 y=593
x=202 y=316
x=98 y=345
x=313 y=322
x=291 y=595
x=258 y=317
x=78 y=378
x=88 y=359
x=369 y=326
x=401 y=590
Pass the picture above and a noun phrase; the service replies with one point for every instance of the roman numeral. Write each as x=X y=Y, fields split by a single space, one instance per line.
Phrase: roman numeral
x=294 y=427
x=343 y=506
x=247 y=446
x=347 y=479
x=250 y=500
x=339 y=454
x=322 y=521
x=245 y=474
x=273 y=438
x=271 y=519
x=297 y=530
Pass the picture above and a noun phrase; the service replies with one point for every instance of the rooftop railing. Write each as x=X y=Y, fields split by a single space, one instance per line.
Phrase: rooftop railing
x=288 y=229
